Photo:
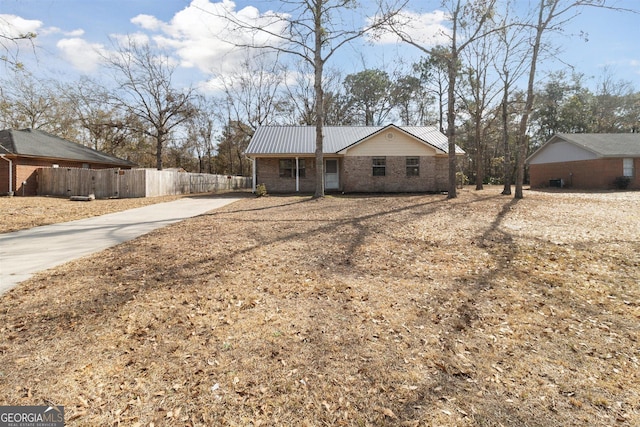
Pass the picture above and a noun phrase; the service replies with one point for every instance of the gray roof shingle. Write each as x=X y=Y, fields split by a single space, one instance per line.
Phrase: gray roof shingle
x=302 y=139
x=35 y=143
x=606 y=144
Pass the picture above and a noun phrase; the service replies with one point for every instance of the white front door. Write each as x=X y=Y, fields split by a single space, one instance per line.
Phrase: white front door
x=331 y=178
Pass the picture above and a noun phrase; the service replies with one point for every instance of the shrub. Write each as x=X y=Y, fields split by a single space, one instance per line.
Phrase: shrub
x=261 y=190
x=622 y=182
x=462 y=179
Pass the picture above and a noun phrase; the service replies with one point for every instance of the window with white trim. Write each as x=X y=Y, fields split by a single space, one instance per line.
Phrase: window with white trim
x=627 y=167
x=288 y=168
x=379 y=166
x=413 y=166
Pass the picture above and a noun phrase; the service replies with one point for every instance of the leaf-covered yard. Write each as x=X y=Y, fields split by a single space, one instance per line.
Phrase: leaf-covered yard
x=371 y=310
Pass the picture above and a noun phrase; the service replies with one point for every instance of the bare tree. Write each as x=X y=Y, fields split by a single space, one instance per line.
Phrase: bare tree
x=312 y=30
x=30 y=103
x=146 y=92
x=201 y=132
x=469 y=20
x=433 y=75
x=611 y=103
x=11 y=40
x=480 y=94
x=550 y=15
x=510 y=61
x=102 y=125
x=301 y=97
x=255 y=94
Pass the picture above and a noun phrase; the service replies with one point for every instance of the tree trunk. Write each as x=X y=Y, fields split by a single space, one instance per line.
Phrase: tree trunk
x=318 y=63
x=240 y=162
x=479 y=155
x=441 y=110
x=505 y=140
x=520 y=157
x=159 y=147
x=451 y=121
x=522 y=139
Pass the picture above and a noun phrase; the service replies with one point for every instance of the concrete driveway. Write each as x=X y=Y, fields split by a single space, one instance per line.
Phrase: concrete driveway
x=25 y=252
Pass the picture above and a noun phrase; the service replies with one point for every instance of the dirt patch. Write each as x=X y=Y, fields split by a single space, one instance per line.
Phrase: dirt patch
x=370 y=310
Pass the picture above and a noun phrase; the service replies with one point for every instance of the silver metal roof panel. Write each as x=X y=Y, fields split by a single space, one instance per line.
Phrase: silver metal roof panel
x=270 y=140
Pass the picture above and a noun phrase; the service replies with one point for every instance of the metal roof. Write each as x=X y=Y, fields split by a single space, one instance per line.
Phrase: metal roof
x=302 y=139
x=35 y=143
x=600 y=144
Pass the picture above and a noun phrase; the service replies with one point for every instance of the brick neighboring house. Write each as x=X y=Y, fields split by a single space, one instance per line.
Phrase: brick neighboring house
x=356 y=158
x=586 y=161
x=22 y=152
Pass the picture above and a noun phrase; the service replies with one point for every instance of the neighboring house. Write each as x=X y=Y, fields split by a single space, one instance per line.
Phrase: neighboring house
x=356 y=158
x=586 y=161
x=22 y=152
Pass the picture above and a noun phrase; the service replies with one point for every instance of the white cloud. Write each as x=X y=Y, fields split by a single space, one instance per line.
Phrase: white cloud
x=424 y=28
x=13 y=26
x=202 y=38
x=56 y=30
x=84 y=56
x=75 y=33
x=147 y=22
x=50 y=30
x=198 y=36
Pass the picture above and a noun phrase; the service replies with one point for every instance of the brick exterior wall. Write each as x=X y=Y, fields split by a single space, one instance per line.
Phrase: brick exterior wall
x=25 y=171
x=268 y=173
x=4 y=177
x=597 y=174
x=356 y=175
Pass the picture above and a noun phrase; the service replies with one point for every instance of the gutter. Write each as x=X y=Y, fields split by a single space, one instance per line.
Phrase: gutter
x=10 y=192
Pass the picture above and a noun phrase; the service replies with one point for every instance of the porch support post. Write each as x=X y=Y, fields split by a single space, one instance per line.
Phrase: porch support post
x=297 y=175
x=254 y=175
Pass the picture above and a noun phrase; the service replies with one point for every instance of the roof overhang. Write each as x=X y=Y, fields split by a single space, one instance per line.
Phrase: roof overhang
x=284 y=155
x=64 y=159
x=559 y=138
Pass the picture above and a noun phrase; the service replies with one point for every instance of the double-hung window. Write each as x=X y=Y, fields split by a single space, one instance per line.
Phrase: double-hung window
x=288 y=168
x=627 y=167
x=379 y=166
x=413 y=166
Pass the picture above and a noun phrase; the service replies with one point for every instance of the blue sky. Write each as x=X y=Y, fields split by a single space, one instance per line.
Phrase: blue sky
x=70 y=32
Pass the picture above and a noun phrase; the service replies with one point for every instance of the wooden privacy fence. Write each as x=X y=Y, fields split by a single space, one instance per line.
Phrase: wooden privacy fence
x=124 y=183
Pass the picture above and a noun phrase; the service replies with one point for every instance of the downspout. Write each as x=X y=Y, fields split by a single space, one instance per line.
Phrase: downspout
x=254 y=175
x=10 y=173
x=297 y=175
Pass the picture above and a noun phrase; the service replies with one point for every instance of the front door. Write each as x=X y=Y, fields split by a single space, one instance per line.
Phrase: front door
x=331 y=178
